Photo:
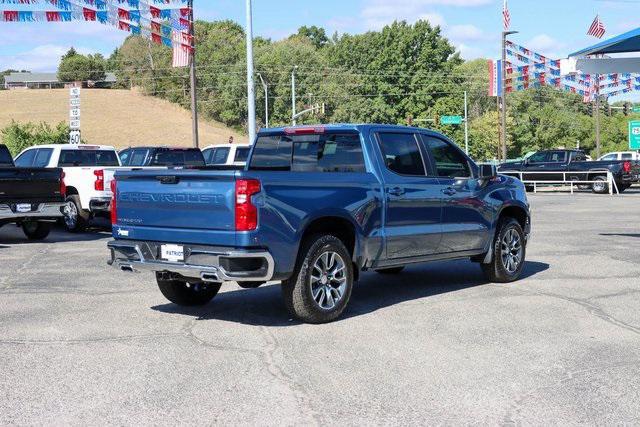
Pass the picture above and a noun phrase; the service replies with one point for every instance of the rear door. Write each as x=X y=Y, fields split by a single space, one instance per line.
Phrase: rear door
x=414 y=203
x=466 y=217
x=557 y=164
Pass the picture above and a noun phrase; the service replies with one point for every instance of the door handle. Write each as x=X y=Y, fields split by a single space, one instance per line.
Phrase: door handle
x=396 y=191
x=449 y=191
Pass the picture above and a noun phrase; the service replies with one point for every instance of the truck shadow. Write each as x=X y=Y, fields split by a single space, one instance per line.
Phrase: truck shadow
x=12 y=235
x=636 y=235
x=264 y=306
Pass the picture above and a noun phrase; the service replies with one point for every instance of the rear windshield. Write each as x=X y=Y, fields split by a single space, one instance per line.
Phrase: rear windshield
x=88 y=158
x=340 y=152
x=5 y=156
x=178 y=158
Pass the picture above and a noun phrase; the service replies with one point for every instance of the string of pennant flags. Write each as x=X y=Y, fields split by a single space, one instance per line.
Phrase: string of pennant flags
x=526 y=69
x=166 y=22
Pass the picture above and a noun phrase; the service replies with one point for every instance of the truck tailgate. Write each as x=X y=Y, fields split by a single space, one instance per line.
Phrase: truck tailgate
x=177 y=205
x=30 y=185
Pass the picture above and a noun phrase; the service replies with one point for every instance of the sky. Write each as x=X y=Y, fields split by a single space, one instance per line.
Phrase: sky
x=553 y=28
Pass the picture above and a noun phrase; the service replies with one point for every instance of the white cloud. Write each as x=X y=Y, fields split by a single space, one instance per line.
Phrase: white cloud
x=465 y=32
x=544 y=42
x=470 y=52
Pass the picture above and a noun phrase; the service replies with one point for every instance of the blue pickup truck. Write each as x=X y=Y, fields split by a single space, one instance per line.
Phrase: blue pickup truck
x=313 y=208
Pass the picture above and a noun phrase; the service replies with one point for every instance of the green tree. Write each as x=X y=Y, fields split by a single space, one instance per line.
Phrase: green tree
x=19 y=136
x=75 y=67
x=316 y=35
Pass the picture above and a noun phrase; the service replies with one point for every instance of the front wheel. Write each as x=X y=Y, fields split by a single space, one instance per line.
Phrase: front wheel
x=188 y=294
x=509 y=251
x=320 y=288
x=35 y=230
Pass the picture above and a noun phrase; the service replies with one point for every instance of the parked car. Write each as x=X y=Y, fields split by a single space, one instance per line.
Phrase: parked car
x=161 y=157
x=88 y=170
x=552 y=166
x=32 y=198
x=232 y=155
x=621 y=155
x=314 y=208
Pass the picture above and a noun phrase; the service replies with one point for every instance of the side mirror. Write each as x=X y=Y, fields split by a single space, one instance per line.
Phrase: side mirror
x=487 y=172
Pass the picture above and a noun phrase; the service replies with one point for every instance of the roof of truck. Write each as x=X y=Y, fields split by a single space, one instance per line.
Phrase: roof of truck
x=76 y=147
x=345 y=126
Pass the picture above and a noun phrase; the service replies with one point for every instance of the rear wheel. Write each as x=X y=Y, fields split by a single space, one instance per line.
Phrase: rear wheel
x=600 y=186
x=76 y=219
x=509 y=252
x=35 y=230
x=187 y=294
x=394 y=270
x=320 y=288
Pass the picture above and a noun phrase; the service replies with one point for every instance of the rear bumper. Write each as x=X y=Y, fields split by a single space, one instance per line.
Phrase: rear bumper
x=100 y=205
x=205 y=263
x=41 y=211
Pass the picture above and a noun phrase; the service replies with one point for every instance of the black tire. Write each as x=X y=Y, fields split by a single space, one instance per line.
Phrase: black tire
x=394 y=270
x=498 y=271
x=298 y=290
x=529 y=188
x=601 y=187
x=35 y=230
x=180 y=293
x=75 y=218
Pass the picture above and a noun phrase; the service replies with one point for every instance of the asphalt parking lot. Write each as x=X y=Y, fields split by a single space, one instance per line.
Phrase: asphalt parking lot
x=83 y=344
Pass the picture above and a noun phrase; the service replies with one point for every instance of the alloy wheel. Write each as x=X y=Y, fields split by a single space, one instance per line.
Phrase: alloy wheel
x=328 y=280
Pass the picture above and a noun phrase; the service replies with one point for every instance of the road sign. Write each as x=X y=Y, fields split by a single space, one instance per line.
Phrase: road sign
x=74 y=124
x=74 y=137
x=636 y=109
x=74 y=113
x=74 y=102
x=451 y=120
x=634 y=135
x=74 y=92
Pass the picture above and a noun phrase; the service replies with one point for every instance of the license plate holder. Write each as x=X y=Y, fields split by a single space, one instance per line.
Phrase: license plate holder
x=172 y=253
x=23 y=208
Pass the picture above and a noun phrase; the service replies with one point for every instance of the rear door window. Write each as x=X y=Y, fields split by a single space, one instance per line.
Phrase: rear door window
x=557 y=157
x=242 y=154
x=42 y=157
x=627 y=156
x=219 y=156
x=25 y=160
x=402 y=154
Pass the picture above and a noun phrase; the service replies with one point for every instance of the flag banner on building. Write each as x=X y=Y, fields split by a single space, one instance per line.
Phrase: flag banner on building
x=528 y=69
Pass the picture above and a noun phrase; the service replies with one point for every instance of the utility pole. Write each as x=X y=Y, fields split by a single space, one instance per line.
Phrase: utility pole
x=266 y=101
x=503 y=95
x=192 y=75
x=466 y=124
x=293 y=95
x=251 y=90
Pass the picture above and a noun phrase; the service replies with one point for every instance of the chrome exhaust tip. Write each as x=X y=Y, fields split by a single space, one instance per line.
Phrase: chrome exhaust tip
x=209 y=277
x=127 y=268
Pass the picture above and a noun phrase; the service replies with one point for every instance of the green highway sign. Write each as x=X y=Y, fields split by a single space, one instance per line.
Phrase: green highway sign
x=636 y=109
x=634 y=135
x=451 y=120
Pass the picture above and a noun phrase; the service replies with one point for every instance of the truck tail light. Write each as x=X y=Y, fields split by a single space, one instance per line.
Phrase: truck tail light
x=626 y=167
x=63 y=186
x=246 y=211
x=99 y=184
x=114 y=197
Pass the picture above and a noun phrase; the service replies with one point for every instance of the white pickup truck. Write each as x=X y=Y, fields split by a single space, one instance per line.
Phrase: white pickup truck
x=88 y=171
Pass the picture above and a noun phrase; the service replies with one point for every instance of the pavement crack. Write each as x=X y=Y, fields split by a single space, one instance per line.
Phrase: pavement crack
x=5 y=285
x=307 y=414
x=187 y=330
x=85 y=340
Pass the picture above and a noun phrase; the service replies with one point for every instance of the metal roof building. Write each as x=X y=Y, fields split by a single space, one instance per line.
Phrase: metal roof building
x=44 y=81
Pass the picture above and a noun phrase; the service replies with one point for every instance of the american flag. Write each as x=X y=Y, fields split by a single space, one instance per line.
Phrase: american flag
x=597 y=28
x=506 y=16
x=181 y=49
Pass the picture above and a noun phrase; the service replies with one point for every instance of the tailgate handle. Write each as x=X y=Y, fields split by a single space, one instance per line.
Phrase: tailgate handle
x=168 y=179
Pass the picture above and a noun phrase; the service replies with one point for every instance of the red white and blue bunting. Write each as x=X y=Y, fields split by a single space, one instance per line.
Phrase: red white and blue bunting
x=163 y=21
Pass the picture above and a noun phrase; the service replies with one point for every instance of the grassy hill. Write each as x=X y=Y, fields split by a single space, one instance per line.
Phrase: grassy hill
x=121 y=118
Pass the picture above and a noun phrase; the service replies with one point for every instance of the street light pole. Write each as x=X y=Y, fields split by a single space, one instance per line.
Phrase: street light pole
x=266 y=100
x=503 y=95
x=466 y=124
x=293 y=95
x=251 y=92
